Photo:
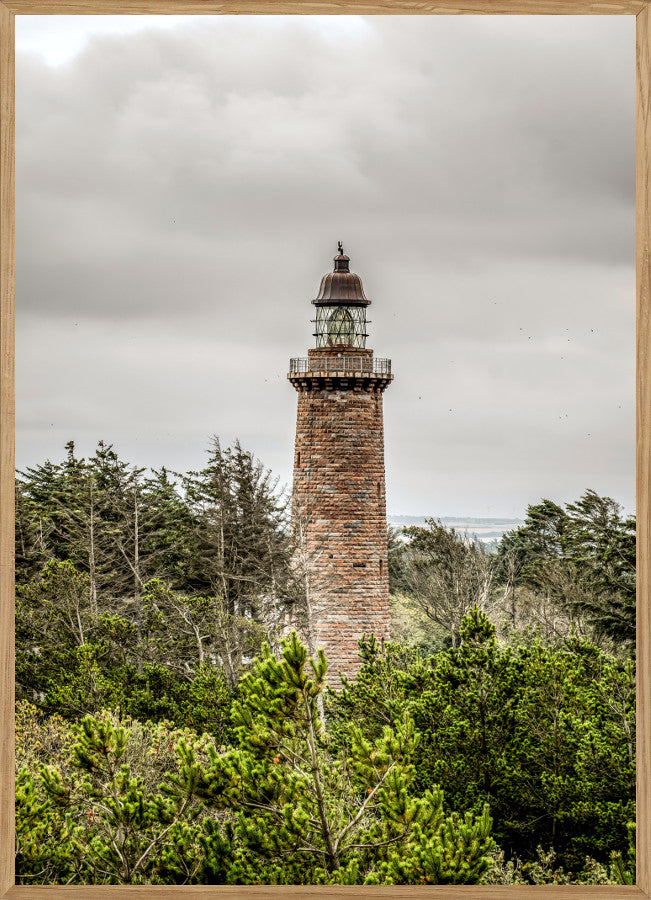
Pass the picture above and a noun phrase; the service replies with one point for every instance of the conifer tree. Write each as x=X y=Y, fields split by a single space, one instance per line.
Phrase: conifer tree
x=545 y=736
x=281 y=807
x=114 y=828
x=188 y=633
x=307 y=814
x=241 y=549
x=581 y=558
x=446 y=574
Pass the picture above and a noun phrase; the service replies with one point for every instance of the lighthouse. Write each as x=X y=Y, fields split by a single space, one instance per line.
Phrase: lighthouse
x=338 y=497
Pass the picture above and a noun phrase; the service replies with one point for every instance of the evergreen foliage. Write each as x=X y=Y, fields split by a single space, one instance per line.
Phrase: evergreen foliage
x=165 y=735
x=281 y=806
x=129 y=584
x=581 y=558
x=544 y=736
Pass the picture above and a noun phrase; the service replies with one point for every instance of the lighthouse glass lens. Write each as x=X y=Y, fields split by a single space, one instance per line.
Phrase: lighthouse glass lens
x=341 y=326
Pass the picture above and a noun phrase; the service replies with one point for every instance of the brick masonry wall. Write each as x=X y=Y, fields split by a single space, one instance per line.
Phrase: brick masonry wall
x=339 y=495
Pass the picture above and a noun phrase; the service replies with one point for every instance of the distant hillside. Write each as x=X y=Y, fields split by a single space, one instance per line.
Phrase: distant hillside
x=485 y=530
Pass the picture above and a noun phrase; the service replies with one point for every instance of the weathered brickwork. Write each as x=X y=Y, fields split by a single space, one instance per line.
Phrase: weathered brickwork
x=339 y=497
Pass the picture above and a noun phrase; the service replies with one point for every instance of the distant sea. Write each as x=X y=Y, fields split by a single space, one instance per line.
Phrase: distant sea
x=488 y=531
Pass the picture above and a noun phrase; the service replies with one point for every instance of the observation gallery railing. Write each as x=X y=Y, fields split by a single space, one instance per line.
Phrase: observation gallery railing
x=369 y=364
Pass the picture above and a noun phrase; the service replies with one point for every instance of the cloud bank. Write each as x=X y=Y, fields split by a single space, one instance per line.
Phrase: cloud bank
x=180 y=192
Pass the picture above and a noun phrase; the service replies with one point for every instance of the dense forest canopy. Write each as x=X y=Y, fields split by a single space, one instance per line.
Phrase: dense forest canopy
x=173 y=728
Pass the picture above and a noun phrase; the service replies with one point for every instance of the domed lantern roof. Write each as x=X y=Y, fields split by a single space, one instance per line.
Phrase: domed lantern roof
x=341 y=287
x=341 y=308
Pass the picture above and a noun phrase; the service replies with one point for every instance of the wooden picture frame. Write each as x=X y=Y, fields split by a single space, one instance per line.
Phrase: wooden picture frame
x=638 y=8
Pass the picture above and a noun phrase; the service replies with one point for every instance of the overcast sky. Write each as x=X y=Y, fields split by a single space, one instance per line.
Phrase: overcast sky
x=182 y=183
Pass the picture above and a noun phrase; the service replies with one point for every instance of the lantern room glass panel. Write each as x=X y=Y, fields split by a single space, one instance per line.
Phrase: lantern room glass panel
x=341 y=326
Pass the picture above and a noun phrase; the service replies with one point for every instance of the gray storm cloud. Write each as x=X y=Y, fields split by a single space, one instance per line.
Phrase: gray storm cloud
x=180 y=193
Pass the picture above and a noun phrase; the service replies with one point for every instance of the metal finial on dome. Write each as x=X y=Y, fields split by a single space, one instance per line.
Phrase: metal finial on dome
x=341 y=260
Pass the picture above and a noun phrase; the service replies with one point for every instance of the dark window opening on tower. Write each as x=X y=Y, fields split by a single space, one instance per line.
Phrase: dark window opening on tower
x=298 y=458
x=381 y=567
x=359 y=565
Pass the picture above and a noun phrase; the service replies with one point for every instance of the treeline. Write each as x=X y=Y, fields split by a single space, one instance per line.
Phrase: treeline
x=147 y=580
x=545 y=736
x=479 y=764
x=493 y=742
x=567 y=571
x=280 y=803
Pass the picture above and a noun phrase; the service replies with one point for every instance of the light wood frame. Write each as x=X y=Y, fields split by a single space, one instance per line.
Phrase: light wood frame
x=638 y=8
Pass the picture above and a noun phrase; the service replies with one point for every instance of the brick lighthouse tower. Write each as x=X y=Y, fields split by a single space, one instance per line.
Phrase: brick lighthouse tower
x=338 y=497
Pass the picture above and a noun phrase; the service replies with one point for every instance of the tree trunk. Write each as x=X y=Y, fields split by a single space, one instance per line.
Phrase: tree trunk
x=91 y=551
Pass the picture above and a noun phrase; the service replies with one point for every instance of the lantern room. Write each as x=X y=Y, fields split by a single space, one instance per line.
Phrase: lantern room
x=341 y=307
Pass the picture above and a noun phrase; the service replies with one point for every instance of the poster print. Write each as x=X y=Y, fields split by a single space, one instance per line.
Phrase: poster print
x=197 y=189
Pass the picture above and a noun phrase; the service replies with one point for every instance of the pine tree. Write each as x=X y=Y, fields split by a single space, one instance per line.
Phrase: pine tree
x=308 y=814
x=241 y=549
x=447 y=574
x=188 y=633
x=545 y=736
x=581 y=558
x=113 y=827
